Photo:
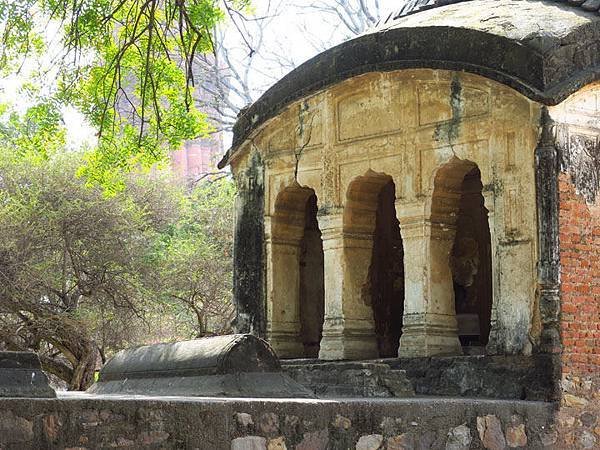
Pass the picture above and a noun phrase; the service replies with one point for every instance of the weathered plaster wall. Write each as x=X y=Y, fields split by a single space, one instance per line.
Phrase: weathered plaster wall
x=578 y=142
x=405 y=126
x=248 y=249
x=254 y=424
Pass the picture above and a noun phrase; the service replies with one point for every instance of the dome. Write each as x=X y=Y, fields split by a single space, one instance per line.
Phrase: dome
x=546 y=50
x=415 y=6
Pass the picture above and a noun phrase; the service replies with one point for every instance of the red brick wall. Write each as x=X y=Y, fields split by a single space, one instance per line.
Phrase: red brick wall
x=579 y=227
x=578 y=419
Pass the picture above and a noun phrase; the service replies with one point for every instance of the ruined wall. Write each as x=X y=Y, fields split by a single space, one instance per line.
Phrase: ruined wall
x=578 y=142
x=87 y=423
x=406 y=125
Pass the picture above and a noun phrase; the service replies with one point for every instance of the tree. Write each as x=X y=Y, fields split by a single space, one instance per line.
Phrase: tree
x=126 y=64
x=84 y=274
x=246 y=63
x=64 y=246
x=243 y=64
x=195 y=258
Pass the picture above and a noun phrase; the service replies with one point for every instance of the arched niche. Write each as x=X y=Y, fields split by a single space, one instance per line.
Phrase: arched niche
x=376 y=266
x=295 y=302
x=460 y=250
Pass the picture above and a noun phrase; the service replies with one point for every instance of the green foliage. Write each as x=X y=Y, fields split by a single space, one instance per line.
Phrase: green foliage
x=38 y=132
x=195 y=257
x=83 y=273
x=127 y=65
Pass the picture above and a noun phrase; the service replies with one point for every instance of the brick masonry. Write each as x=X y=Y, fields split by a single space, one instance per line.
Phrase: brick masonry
x=579 y=226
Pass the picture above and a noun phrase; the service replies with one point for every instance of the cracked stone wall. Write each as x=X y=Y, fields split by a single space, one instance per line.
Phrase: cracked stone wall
x=403 y=126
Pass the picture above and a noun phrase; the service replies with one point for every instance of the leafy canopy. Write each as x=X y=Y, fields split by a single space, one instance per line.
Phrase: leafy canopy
x=126 y=64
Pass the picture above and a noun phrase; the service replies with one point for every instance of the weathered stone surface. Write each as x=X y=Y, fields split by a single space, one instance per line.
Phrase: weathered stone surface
x=516 y=436
x=459 y=438
x=316 y=440
x=490 y=432
x=52 y=426
x=249 y=443
x=574 y=401
x=587 y=419
x=21 y=376
x=277 y=444
x=403 y=441
x=503 y=43
x=244 y=421
x=587 y=440
x=345 y=379
x=15 y=429
x=548 y=438
x=226 y=366
x=269 y=423
x=516 y=377
x=173 y=424
x=370 y=442
x=342 y=422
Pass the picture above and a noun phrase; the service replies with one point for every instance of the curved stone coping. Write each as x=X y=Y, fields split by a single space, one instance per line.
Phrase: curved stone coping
x=219 y=355
x=238 y=365
x=546 y=57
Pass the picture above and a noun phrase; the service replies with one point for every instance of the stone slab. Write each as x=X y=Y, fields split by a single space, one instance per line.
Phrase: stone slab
x=21 y=375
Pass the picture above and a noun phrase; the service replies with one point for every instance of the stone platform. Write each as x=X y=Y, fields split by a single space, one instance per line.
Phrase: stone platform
x=350 y=379
x=83 y=421
x=483 y=376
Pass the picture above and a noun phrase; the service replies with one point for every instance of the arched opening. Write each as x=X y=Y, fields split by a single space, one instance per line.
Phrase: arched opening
x=297 y=293
x=312 y=283
x=471 y=264
x=387 y=274
x=370 y=216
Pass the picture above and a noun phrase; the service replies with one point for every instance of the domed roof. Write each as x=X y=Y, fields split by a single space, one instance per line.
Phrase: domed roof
x=544 y=49
x=416 y=6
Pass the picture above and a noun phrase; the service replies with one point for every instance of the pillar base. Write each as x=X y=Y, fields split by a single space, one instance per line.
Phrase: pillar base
x=429 y=340
x=339 y=343
x=285 y=344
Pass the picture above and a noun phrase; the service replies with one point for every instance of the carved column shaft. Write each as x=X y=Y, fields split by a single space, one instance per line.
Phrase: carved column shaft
x=429 y=325
x=546 y=170
x=348 y=330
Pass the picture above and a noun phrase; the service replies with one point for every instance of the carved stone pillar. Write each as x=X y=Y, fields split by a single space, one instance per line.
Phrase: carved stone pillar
x=546 y=169
x=348 y=329
x=429 y=325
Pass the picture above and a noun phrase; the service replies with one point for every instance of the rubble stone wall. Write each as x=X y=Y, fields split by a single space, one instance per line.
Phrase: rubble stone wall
x=85 y=423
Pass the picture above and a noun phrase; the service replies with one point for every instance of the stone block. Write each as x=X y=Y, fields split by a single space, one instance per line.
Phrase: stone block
x=490 y=432
x=516 y=436
x=370 y=442
x=459 y=438
x=249 y=443
x=21 y=375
